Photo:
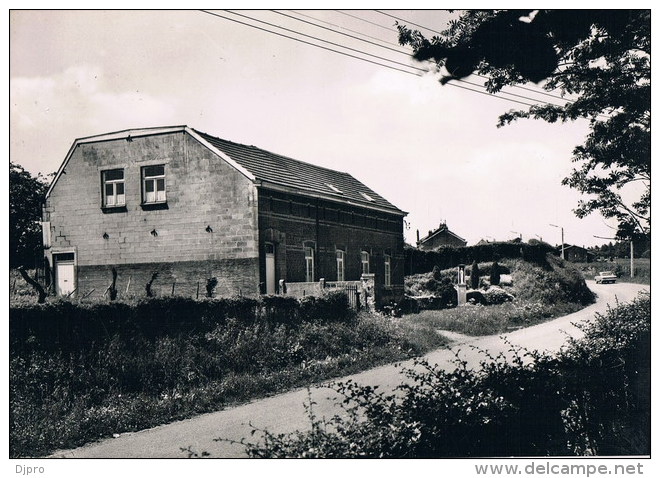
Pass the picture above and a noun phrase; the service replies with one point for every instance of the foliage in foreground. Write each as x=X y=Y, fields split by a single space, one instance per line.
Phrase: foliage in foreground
x=593 y=398
x=65 y=397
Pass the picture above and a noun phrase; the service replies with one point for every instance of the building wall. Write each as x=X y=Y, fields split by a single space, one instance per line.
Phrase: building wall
x=203 y=192
x=289 y=221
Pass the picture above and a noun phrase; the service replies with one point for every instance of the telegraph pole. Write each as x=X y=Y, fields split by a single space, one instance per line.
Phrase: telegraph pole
x=562 y=240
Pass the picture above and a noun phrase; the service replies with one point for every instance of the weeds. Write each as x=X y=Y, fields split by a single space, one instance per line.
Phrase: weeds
x=593 y=398
x=62 y=398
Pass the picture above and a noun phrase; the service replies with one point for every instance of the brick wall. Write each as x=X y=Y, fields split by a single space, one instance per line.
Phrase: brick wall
x=204 y=193
x=289 y=221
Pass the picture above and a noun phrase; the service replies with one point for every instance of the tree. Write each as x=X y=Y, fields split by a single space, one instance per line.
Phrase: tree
x=598 y=58
x=474 y=275
x=26 y=195
x=495 y=274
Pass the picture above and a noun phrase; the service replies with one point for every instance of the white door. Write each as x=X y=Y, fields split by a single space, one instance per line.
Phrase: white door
x=270 y=269
x=65 y=278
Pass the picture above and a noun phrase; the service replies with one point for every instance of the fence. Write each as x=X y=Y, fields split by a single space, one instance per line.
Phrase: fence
x=353 y=290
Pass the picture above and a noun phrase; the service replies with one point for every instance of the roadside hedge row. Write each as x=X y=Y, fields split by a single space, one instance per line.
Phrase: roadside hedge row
x=593 y=398
x=70 y=325
x=419 y=262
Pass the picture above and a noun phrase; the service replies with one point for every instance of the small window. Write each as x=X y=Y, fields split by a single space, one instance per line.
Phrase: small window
x=113 y=188
x=309 y=263
x=334 y=188
x=367 y=197
x=340 y=265
x=153 y=184
x=388 y=271
x=364 y=255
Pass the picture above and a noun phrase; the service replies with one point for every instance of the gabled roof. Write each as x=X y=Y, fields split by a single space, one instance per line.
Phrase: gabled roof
x=442 y=228
x=276 y=170
x=267 y=169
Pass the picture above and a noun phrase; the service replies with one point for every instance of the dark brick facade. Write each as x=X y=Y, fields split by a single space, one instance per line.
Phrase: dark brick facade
x=290 y=221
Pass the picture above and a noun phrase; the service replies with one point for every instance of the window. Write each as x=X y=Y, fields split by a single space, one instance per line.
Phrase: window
x=113 y=188
x=364 y=255
x=334 y=188
x=367 y=197
x=388 y=271
x=153 y=184
x=340 y=265
x=309 y=263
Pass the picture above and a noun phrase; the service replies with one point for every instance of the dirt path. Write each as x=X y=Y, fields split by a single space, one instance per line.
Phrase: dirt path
x=285 y=412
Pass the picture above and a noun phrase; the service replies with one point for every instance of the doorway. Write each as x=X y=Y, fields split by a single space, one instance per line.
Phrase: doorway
x=65 y=273
x=270 y=268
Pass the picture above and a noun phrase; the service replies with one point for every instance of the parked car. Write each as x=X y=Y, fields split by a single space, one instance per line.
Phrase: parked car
x=605 y=277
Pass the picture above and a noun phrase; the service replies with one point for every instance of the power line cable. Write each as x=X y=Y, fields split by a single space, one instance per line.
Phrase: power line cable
x=342 y=33
x=412 y=23
x=308 y=43
x=536 y=91
x=328 y=41
x=366 y=21
x=408 y=55
x=491 y=95
x=352 y=31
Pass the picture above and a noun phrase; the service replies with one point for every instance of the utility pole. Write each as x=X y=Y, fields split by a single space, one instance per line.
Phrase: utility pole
x=562 y=240
x=632 y=254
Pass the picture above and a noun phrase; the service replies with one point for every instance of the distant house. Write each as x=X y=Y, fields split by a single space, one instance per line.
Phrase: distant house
x=191 y=206
x=577 y=254
x=441 y=237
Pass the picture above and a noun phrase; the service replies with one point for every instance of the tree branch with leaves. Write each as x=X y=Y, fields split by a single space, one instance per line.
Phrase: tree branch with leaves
x=598 y=60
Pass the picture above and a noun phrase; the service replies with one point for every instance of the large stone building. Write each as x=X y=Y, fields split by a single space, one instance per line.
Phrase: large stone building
x=191 y=206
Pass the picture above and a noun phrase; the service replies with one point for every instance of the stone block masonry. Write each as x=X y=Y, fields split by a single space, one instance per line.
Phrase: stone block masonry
x=207 y=226
x=185 y=278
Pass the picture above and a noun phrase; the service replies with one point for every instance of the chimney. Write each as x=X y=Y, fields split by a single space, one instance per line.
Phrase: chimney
x=417 y=235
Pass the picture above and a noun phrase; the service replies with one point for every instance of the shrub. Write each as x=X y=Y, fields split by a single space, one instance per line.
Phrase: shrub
x=495 y=274
x=474 y=275
x=496 y=295
x=63 y=324
x=593 y=398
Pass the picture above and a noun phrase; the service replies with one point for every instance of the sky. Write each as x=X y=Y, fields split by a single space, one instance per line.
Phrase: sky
x=434 y=151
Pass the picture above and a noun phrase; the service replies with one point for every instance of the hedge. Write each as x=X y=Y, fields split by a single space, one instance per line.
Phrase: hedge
x=419 y=262
x=64 y=324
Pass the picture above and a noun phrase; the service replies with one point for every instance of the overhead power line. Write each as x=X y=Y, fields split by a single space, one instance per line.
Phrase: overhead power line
x=307 y=43
x=342 y=33
x=407 y=21
x=366 y=21
x=532 y=90
x=327 y=41
x=408 y=71
x=401 y=50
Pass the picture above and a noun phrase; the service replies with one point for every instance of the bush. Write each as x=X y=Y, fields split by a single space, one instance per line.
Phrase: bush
x=496 y=295
x=593 y=398
x=63 y=324
x=65 y=398
x=495 y=274
x=474 y=275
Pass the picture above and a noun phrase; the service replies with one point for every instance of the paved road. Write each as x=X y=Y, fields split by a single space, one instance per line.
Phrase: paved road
x=285 y=412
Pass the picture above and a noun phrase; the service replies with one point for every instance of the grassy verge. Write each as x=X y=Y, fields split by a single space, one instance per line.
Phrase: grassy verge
x=494 y=319
x=61 y=399
x=621 y=267
x=539 y=292
x=591 y=399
